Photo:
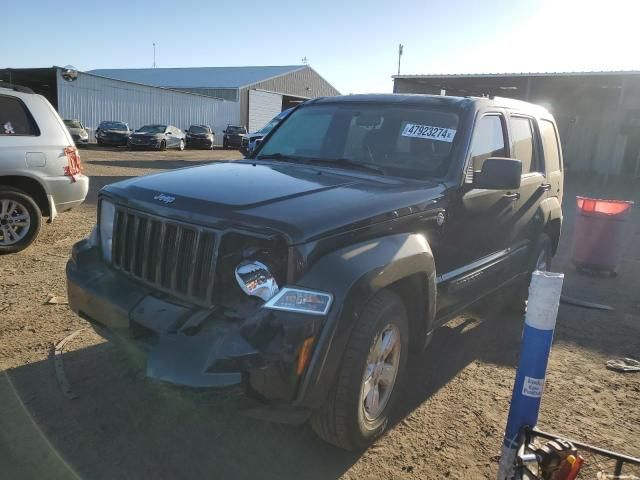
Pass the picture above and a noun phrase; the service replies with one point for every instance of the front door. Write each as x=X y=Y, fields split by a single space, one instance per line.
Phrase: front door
x=479 y=228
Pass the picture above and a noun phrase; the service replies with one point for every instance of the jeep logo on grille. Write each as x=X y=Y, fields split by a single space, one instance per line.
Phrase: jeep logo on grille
x=164 y=198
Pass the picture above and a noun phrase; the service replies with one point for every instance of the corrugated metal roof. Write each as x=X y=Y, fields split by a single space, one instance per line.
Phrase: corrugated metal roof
x=197 y=77
x=519 y=74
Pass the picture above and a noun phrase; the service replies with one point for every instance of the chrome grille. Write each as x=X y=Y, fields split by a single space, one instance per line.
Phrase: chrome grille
x=174 y=257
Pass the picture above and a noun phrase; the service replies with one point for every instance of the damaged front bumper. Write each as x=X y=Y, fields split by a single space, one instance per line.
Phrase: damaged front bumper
x=256 y=350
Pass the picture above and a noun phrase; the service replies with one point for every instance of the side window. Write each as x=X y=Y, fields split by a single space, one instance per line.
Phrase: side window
x=15 y=118
x=488 y=141
x=550 y=146
x=523 y=147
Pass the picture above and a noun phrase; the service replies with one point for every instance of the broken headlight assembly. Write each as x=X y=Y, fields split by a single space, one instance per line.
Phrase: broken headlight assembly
x=255 y=279
x=107 y=218
x=292 y=299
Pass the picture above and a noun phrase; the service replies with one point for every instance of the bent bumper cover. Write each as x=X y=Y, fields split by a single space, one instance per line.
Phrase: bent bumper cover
x=188 y=345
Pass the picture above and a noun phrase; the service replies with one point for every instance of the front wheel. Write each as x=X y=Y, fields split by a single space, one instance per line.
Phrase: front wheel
x=163 y=145
x=20 y=220
x=181 y=146
x=359 y=405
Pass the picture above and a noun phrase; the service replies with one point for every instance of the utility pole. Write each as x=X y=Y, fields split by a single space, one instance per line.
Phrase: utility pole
x=400 y=47
x=154 y=55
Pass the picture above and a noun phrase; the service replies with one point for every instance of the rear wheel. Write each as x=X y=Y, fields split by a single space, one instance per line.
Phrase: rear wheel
x=540 y=259
x=359 y=405
x=20 y=220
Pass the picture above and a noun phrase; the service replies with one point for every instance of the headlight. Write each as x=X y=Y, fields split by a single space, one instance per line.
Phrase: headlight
x=299 y=300
x=107 y=217
x=255 y=279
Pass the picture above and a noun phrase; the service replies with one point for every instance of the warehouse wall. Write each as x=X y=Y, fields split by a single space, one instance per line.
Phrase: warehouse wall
x=92 y=99
x=304 y=83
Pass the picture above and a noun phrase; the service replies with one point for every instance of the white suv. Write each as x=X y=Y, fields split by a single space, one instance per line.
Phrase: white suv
x=40 y=170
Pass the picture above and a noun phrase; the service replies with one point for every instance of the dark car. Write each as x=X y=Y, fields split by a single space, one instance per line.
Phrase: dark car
x=308 y=275
x=113 y=133
x=78 y=132
x=251 y=140
x=200 y=136
x=157 y=137
x=232 y=136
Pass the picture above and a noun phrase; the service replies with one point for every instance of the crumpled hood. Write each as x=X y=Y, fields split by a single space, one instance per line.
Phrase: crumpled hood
x=302 y=202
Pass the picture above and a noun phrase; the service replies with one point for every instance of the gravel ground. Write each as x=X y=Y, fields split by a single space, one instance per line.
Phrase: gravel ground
x=455 y=400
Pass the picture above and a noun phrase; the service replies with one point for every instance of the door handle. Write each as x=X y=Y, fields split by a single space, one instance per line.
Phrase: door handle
x=512 y=196
x=545 y=187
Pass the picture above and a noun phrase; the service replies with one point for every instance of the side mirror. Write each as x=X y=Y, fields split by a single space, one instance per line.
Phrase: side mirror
x=499 y=174
x=224 y=131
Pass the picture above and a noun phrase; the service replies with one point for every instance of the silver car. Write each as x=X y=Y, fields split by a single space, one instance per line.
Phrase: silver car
x=40 y=169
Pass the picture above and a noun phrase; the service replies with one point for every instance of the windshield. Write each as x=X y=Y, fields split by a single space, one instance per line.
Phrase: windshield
x=236 y=130
x=406 y=141
x=198 y=129
x=113 y=126
x=269 y=126
x=73 y=124
x=153 y=129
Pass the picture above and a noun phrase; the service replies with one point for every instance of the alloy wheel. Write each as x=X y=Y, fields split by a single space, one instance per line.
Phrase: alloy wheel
x=380 y=373
x=14 y=221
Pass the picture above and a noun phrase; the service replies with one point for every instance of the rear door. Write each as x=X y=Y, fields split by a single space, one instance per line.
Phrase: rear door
x=528 y=217
x=553 y=157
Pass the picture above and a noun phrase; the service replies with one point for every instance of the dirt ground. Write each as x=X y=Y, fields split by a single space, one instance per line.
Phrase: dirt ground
x=455 y=400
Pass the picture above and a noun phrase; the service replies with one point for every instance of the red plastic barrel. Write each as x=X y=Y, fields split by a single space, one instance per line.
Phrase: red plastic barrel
x=598 y=236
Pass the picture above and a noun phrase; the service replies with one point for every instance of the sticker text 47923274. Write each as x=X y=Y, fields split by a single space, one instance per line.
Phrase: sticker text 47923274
x=428 y=132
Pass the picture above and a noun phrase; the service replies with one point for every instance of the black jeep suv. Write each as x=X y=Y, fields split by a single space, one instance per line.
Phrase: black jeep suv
x=306 y=274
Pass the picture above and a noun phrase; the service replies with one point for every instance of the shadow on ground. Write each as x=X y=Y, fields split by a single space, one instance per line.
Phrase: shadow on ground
x=123 y=426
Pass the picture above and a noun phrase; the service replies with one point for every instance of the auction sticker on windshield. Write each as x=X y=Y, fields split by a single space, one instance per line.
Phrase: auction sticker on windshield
x=414 y=130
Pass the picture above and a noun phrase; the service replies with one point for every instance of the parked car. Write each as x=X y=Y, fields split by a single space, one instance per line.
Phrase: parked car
x=78 y=132
x=232 y=136
x=113 y=133
x=40 y=170
x=200 y=136
x=159 y=137
x=307 y=274
x=251 y=140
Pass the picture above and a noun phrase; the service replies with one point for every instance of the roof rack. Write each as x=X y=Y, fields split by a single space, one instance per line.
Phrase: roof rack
x=15 y=88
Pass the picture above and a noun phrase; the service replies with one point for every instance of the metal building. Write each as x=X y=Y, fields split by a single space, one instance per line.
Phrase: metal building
x=91 y=99
x=260 y=92
x=598 y=113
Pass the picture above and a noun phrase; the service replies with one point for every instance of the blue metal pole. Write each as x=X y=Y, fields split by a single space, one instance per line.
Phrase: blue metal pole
x=539 y=324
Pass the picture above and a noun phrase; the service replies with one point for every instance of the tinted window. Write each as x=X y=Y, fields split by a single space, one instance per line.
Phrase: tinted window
x=15 y=119
x=550 y=146
x=400 y=140
x=73 y=124
x=488 y=141
x=153 y=129
x=236 y=130
x=523 y=150
x=112 y=126
x=198 y=129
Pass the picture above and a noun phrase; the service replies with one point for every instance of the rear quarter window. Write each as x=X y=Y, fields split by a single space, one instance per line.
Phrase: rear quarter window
x=15 y=118
x=550 y=146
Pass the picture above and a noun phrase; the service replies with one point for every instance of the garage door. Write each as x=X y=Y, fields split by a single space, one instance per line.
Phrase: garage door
x=263 y=106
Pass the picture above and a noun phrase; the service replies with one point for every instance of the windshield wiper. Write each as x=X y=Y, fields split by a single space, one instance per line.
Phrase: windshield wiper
x=347 y=162
x=282 y=157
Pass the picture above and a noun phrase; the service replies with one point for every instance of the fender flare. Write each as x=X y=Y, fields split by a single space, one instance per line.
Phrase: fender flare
x=353 y=275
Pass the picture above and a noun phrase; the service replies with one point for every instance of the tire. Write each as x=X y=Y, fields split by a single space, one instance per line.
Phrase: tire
x=224 y=145
x=344 y=420
x=163 y=146
x=181 y=145
x=540 y=259
x=17 y=207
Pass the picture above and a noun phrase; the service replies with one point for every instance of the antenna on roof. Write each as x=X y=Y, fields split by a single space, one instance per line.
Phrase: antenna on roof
x=400 y=48
x=305 y=60
x=154 y=55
